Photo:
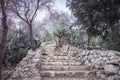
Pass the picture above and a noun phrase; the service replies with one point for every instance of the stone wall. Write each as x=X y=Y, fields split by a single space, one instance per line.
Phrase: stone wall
x=106 y=64
x=28 y=68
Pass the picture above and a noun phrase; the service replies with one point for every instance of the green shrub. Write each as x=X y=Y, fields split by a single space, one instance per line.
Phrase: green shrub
x=17 y=46
x=60 y=30
x=78 y=38
x=62 y=33
x=96 y=41
x=112 y=42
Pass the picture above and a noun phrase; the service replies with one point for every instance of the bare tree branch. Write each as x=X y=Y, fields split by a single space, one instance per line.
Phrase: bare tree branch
x=37 y=7
x=26 y=10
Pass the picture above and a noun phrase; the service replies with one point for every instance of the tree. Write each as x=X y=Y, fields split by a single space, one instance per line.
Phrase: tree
x=27 y=11
x=59 y=17
x=55 y=19
x=3 y=6
x=60 y=31
x=93 y=13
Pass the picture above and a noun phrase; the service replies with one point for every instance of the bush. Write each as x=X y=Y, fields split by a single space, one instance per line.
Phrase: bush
x=17 y=46
x=78 y=38
x=61 y=32
x=96 y=41
x=112 y=42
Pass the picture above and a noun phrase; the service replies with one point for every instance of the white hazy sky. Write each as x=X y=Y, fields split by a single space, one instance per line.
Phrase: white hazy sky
x=60 y=5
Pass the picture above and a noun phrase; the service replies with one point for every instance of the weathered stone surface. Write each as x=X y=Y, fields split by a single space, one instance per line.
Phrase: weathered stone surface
x=114 y=62
x=111 y=69
x=65 y=73
x=26 y=69
x=106 y=64
x=62 y=78
x=111 y=54
x=119 y=73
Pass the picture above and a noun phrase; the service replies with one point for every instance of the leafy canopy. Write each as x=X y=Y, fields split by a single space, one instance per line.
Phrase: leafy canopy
x=91 y=12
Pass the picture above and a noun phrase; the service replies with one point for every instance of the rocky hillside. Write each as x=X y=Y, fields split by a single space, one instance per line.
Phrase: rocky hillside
x=68 y=63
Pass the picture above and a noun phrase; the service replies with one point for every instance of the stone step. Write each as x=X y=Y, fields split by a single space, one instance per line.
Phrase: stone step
x=56 y=52
x=53 y=54
x=65 y=78
x=74 y=61
x=58 y=57
x=64 y=68
x=53 y=60
x=61 y=63
x=66 y=73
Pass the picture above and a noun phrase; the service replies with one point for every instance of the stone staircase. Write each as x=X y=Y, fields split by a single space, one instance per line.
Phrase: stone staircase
x=60 y=66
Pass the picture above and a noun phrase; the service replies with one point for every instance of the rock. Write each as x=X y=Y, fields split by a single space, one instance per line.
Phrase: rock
x=95 y=56
x=111 y=69
x=119 y=72
x=82 y=53
x=102 y=76
x=34 y=78
x=97 y=61
x=111 y=54
x=112 y=57
x=103 y=54
x=85 y=57
x=110 y=78
x=87 y=63
x=35 y=60
x=90 y=56
x=26 y=69
x=117 y=77
x=101 y=58
x=105 y=58
x=113 y=62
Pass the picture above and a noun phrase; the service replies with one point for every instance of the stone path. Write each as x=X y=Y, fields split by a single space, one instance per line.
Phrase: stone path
x=58 y=65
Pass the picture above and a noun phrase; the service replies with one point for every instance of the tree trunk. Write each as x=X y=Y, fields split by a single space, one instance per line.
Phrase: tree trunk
x=110 y=26
x=2 y=50
x=89 y=39
x=4 y=35
x=31 y=37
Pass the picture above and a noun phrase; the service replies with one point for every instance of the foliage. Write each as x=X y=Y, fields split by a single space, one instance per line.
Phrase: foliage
x=17 y=46
x=99 y=18
x=60 y=31
x=112 y=42
x=91 y=12
x=96 y=41
x=78 y=38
